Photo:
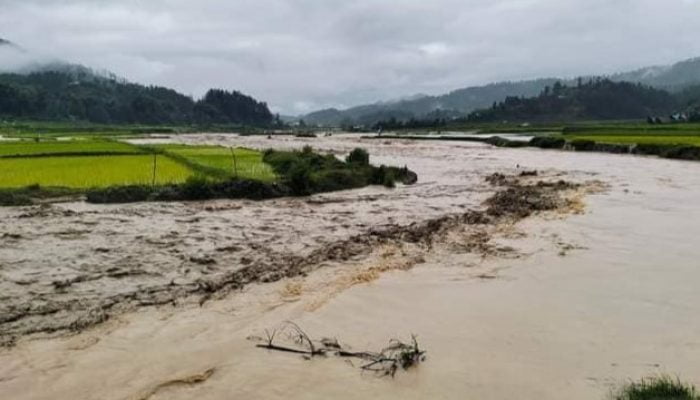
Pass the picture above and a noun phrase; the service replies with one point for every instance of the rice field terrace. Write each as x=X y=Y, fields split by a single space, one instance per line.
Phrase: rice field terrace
x=99 y=163
x=222 y=161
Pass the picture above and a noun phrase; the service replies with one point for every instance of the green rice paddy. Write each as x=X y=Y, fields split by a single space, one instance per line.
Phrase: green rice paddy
x=31 y=148
x=85 y=172
x=94 y=163
x=243 y=163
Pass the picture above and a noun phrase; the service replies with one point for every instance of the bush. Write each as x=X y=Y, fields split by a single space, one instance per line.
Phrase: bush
x=338 y=179
x=299 y=178
x=547 y=142
x=197 y=188
x=613 y=148
x=683 y=153
x=120 y=194
x=358 y=156
x=583 y=145
x=14 y=198
x=679 y=152
x=659 y=388
x=501 y=142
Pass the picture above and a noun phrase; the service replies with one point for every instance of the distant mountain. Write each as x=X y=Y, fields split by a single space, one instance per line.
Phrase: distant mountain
x=674 y=78
x=597 y=99
x=456 y=103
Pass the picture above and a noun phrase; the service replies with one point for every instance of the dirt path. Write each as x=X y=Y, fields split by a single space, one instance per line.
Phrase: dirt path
x=546 y=308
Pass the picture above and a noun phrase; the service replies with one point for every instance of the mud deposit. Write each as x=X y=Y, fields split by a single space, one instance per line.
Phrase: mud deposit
x=518 y=285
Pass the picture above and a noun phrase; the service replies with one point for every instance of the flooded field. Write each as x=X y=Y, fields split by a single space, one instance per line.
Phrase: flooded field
x=563 y=304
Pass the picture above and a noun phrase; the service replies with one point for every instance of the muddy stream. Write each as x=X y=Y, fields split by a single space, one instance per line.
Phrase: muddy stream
x=167 y=300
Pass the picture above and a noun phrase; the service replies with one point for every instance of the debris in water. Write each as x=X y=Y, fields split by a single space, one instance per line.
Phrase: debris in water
x=398 y=355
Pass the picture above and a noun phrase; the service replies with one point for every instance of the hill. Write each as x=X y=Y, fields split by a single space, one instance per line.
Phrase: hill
x=674 y=78
x=61 y=92
x=599 y=99
x=33 y=88
x=453 y=104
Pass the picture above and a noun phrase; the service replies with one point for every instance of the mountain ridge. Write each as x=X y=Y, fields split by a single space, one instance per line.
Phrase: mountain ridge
x=460 y=102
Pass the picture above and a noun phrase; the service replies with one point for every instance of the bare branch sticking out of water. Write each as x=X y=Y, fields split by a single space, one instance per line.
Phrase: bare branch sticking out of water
x=397 y=356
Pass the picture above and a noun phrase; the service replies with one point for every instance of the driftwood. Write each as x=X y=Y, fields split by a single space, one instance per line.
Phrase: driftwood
x=398 y=355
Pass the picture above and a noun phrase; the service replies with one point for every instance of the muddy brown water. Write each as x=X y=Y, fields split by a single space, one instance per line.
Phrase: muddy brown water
x=565 y=306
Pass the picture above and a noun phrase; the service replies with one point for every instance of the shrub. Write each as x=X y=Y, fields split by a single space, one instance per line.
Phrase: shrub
x=358 y=156
x=651 y=149
x=338 y=179
x=120 y=194
x=501 y=142
x=14 y=198
x=583 y=145
x=683 y=153
x=299 y=178
x=197 y=188
x=658 y=388
x=547 y=142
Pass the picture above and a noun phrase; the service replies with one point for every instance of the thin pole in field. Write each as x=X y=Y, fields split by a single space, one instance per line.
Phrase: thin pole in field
x=235 y=163
x=155 y=163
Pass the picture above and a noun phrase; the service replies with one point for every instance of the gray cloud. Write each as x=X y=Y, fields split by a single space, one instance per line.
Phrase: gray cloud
x=305 y=54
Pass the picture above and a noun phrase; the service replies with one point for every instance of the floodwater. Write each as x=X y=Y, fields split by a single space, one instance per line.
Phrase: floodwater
x=562 y=306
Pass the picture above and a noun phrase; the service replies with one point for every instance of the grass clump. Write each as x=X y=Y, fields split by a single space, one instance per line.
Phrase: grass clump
x=657 y=388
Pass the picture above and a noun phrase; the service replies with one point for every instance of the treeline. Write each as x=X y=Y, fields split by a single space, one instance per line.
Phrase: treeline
x=594 y=99
x=81 y=95
x=393 y=124
x=599 y=99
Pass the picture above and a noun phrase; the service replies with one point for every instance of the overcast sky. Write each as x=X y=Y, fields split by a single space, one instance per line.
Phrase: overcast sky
x=301 y=55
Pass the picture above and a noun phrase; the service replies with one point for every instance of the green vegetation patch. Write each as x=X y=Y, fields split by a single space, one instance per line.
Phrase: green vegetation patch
x=690 y=140
x=633 y=129
x=65 y=147
x=657 y=388
x=90 y=171
x=307 y=172
x=222 y=162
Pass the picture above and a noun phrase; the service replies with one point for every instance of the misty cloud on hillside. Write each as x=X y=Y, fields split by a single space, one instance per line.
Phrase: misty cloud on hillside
x=301 y=55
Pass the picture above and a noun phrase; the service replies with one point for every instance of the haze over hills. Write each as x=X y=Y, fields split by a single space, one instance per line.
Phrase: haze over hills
x=674 y=78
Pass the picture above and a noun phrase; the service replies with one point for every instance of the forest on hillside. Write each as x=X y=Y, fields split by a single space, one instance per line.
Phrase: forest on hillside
x=81 y=95
x=595 y=99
